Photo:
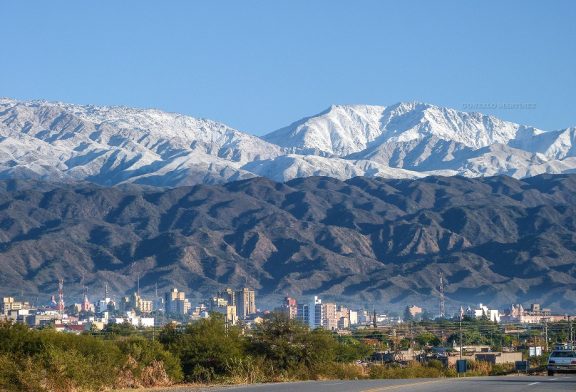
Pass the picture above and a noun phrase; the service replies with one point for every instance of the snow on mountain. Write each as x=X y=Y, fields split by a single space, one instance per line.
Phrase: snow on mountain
x=425 y=138
x=115 y=145
x=111 y=145
x=291 y=166
x=340 y=130
x=343 y=130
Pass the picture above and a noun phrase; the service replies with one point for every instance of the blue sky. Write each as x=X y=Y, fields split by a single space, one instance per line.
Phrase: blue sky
x=259 y=65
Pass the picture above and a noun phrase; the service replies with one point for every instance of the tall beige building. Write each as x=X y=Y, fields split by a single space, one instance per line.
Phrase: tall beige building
x=136 y=302
x=245 y=302
x=175 y=302
x=330 y=321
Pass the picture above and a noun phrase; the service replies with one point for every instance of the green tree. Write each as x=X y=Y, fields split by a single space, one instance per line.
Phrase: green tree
x=205 y=347
x=427 y=338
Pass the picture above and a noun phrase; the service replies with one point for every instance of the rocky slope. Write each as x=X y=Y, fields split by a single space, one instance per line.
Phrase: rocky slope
x=373 y=241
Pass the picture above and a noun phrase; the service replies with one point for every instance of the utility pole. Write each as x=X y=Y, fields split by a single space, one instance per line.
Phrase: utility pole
x=546 y=334
x=461 y=316
x=571 y=334
x=61 y=298
x=442 y=301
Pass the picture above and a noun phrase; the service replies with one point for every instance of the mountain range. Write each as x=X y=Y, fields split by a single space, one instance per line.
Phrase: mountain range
x=370 y=241
x=365 y=204
x=118 y=145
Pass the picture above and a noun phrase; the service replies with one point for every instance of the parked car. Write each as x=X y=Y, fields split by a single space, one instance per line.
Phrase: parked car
x=561 y=361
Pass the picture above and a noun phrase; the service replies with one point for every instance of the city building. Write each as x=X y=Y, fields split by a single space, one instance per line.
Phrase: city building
x=303 y=313
x=353 y=315
x=413 y=311
x=229 y=295
x=290 y=307
x=318 y=313
x=364 y=317
x=229 y=312
x=483 y=311
x=136 y=302
x=330 y=316
x=245 y=303
x=132 y=318
x=535 y=315
x=86 y=305
x=343 y=316
x=175 y=302
x=9 y=303
x=106 y=303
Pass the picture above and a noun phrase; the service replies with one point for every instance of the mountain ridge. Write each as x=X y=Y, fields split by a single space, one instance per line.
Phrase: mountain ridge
x=365 y=240
x=111 y=145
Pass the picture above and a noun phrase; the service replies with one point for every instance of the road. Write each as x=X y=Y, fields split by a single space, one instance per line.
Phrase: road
x=468 y=384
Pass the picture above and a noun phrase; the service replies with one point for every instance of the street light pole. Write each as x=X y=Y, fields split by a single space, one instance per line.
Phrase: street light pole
x=571 y=334
x=461 y=316
x=546 y=334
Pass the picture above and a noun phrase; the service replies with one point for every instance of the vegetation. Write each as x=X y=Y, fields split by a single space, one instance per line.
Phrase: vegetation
x=46 y=360
x=210 y=351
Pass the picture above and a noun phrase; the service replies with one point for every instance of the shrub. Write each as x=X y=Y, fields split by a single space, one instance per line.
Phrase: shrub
x=413 y=370
x=150 y=359
x=204 y=348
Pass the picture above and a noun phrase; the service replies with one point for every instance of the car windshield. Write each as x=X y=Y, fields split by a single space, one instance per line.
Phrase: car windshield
x=563 y=354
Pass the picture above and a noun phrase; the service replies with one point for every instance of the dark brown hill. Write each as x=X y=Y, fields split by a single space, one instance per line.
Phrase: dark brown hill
x=366 y=240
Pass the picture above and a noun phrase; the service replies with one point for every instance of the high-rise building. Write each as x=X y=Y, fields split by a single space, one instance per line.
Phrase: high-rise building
x=220 y=305
x=136 y=302
x=303 y=313
x=318 y=312
x=175 y=302
x=353 y=317
x=229 y=295
x=245 y=302
x=343 y=316
x=329 y=316
x=290 y=307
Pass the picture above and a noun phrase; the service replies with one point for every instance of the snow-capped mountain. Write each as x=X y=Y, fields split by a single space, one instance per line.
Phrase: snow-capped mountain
x=114 y=145
x=428 y=139
x=111 y=145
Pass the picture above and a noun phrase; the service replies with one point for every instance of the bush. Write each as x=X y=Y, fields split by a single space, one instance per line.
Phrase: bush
x=45 y=360
x=413 y=370
x=150 y=364
x=205 y=348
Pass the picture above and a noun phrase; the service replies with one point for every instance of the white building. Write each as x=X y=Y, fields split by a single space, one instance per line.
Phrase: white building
x=353 y=317
x=483 y=311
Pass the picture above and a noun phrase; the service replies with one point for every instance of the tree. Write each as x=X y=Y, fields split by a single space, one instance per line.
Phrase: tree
x=427 y=338
x=288 y=344
x=350 y=349
x=205 y=347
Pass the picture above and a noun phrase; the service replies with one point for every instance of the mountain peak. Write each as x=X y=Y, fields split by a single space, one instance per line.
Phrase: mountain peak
x=111 y=145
